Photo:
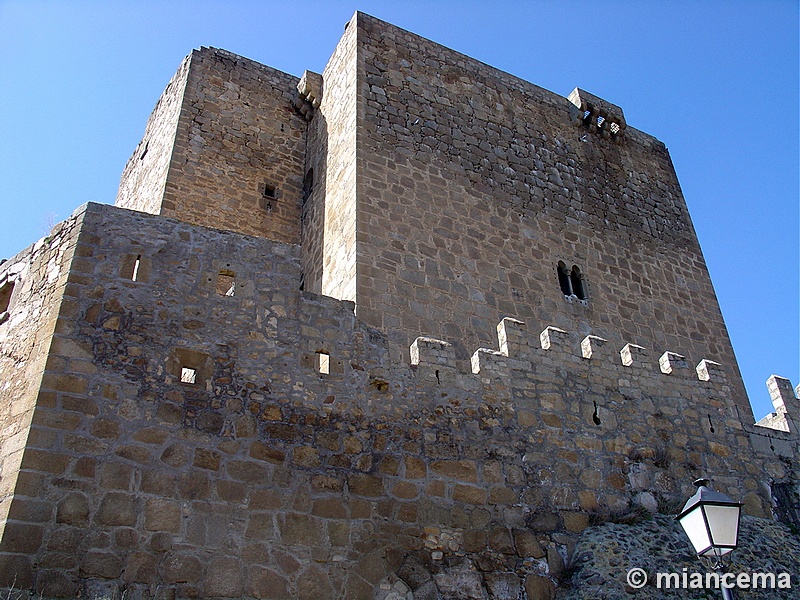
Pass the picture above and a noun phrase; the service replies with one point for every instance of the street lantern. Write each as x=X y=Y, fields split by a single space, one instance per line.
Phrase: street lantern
x=711 y=520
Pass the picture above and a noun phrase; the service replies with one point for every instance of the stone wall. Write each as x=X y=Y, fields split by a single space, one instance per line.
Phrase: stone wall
x=329 y=230
x=475 y=185
x=235 y=150
x=604 y=554
x=251 y=440
x=36 y=280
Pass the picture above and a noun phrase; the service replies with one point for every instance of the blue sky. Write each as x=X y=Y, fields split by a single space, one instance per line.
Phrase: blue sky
x=716 y=81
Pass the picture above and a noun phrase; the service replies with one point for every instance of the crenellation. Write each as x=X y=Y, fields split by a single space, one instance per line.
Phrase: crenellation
x=633 y=355
x=671 y=363
x=708 y=370
x=553 y=338
x=594 y=347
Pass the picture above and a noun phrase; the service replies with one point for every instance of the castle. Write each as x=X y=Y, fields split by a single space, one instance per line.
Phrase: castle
x=402 y=329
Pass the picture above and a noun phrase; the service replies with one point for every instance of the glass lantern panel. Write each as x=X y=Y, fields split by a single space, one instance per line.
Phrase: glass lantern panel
x=723 y=521
x=695 y=527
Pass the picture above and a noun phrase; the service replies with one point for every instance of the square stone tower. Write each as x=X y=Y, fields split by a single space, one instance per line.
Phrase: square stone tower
x=438 y=193
x=404 y=327
x=223 y=148
x=448 y=194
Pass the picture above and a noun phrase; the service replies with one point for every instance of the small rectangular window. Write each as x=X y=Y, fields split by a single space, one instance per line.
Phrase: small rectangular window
x=323 y=363
x=226 y=283
x=136 y=263
x=188 y=375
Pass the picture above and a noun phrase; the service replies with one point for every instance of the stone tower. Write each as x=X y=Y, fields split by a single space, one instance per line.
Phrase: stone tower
x=402 y=329
x=440 y=194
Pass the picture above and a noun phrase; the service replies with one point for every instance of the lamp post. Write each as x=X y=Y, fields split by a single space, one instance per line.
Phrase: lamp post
x=711 y=520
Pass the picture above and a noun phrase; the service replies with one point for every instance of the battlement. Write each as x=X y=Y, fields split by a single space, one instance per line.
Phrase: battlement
x=517 y=344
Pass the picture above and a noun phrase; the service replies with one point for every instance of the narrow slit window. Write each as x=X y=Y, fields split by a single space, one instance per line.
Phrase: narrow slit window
x=135 y=272
x=270 y=191
x=323 y=363
x=188 y=375
x=308 y=184
x=226 y=283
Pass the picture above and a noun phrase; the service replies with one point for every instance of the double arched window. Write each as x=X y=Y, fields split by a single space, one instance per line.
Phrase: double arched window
x=571 y=281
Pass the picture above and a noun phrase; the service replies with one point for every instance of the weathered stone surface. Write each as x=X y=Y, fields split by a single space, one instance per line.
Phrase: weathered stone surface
x=73 y=509
x=224 y=577
x=539 y=588
x=213 y=397
x=182 y=568
x=265 y=583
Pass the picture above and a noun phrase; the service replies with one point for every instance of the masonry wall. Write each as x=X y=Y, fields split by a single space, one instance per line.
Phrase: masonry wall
x=38 y=277
x=266 y=478
x=329 y=228
x=476 y=185
x=235 y=152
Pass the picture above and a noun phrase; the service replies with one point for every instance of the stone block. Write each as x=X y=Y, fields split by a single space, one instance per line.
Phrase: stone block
x=267 y=453
x=56 y=584
x=224 y=578
x=105 y=428
x=539 y=587
x=101 y=564
x=260 y=526
x=503 y=586
x=151 y=435
x=117 y=508
x=469 y=494
x=415 y=468
x=231 y=491
x=23 y=538
x=182 y=568
x=162 y=515
x=206 y=459
x=42 y=460
x=301 y=530
x=247 y=471
x=73 y=509
x=141 y=567
x=526 y=544
x=463 y=470
x=362 y=484
x=266 y=584
x=405 y=490
x=15 y=570
x=329 y=508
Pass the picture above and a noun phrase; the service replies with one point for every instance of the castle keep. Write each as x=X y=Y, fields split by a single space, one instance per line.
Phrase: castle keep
x=403 y=329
